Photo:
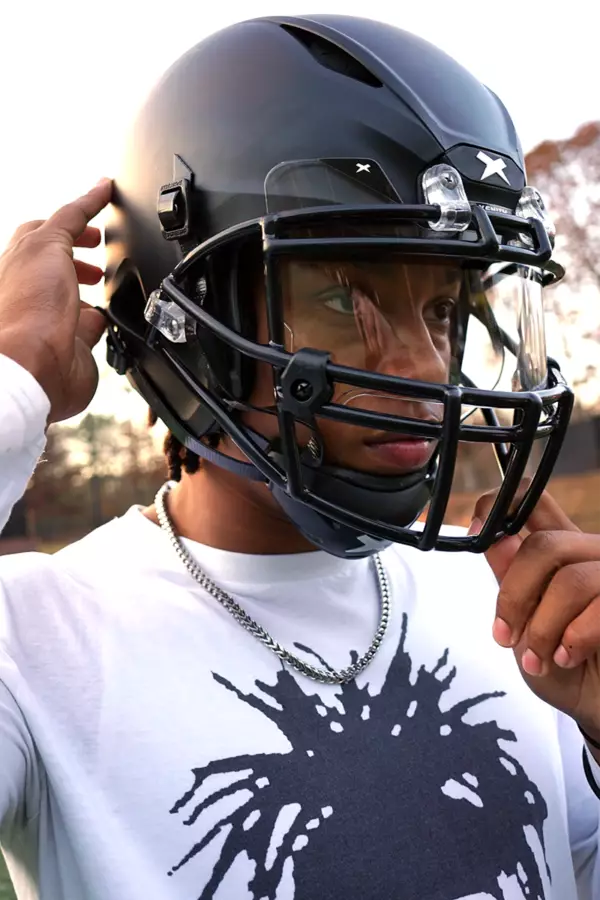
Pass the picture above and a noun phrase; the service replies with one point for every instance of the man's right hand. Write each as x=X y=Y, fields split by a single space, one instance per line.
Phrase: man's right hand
x=44 y=325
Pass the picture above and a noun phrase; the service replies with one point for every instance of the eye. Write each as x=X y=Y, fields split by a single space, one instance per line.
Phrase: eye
x=440 y=310
x=340 y=301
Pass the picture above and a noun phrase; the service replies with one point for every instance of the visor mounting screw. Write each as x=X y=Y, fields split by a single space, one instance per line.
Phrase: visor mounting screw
x=449 y=180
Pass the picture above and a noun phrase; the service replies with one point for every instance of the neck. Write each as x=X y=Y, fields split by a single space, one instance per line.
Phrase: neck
x=226 y=511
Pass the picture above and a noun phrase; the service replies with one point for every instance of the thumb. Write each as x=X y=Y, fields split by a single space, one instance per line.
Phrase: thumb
x=501 y=555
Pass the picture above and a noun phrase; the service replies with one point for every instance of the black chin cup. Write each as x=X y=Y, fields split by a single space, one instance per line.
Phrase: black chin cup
x=396 y=500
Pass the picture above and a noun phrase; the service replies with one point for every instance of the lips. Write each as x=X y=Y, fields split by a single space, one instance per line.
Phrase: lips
x=407 y=454
x=401 y=451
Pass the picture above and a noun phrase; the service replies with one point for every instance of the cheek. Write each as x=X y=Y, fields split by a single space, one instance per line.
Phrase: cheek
x=446 y=356
x=262 y=396
x=262 y=389
x=339 y=439
x=443 y=348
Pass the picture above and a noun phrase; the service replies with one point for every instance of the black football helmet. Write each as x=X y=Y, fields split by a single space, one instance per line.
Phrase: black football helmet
x=335 y=140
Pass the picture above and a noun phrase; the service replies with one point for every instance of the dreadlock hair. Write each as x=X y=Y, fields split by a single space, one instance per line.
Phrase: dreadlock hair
x=179 y=458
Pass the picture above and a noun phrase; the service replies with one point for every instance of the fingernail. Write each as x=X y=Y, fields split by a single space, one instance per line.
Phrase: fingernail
x=562 y=658
x=102 y=181
x=502 y=633
x=475 y=526
x=531 y=663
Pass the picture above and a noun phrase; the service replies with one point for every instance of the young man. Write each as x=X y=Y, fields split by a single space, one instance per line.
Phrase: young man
x=321 y=253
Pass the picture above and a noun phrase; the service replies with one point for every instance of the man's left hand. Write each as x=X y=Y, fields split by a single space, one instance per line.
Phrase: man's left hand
x=548 y=608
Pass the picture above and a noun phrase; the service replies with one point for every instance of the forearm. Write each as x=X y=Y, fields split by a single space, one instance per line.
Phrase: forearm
x=24 y=410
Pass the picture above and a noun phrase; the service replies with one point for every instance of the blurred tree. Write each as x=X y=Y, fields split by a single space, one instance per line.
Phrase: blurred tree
x=97 y=441
x=567 y=173
x=89 y=473
x=52 y=492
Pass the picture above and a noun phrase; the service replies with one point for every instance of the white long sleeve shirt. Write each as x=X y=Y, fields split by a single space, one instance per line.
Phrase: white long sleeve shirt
x=150 y=747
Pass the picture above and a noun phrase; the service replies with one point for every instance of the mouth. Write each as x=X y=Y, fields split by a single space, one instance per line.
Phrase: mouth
x=403 y=452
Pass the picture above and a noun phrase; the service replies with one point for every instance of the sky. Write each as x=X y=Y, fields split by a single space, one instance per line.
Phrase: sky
x=73 y=73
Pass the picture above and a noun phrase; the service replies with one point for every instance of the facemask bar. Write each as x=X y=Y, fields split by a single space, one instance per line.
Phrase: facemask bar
x=486 y=226
x=295 y=403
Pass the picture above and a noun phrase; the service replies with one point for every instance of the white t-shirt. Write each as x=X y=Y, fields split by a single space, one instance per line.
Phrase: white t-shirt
x=150 y=747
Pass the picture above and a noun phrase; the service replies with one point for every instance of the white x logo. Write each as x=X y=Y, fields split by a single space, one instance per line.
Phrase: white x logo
x=363 y=167
x=492 y=167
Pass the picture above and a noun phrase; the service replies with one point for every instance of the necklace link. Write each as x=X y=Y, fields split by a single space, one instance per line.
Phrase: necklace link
x=326 y=675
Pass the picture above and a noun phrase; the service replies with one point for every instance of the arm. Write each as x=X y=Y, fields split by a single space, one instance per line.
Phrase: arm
x=21 y=781
x=47 y=373
x=19 y=777
x=24 y=409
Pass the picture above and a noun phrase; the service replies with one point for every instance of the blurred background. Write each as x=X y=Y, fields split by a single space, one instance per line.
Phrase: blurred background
x=72 y=75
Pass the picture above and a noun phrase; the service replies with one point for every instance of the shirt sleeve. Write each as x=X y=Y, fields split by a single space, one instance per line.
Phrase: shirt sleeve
x=24 y=410
x=19 y=781
x=583 y=807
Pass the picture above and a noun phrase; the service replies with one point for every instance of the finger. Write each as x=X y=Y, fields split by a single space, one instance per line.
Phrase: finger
x=87 y=273
x=90 y=238
x=70 y=221
x=582 y=636
x=548 y=516
x=569 y=593
x=484 y=504
x=501 y=554
x=91 y=326
x=536 y=562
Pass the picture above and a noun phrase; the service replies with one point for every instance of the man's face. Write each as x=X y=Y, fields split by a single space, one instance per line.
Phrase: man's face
x=393 y=318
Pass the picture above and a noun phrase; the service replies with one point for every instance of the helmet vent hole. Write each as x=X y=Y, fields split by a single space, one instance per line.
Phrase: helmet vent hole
x=332 y=57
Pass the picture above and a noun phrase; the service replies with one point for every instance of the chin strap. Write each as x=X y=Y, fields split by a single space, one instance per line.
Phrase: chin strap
x=235 y=466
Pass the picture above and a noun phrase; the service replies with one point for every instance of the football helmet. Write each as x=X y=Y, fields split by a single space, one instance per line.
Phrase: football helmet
x=278 y=158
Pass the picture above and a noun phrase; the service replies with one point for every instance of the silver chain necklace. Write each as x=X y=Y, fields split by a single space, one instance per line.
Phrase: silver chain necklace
x=325 y=675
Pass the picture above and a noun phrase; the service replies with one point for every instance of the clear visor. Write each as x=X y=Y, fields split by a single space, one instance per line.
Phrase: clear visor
x=423 y=319
x=327 y=182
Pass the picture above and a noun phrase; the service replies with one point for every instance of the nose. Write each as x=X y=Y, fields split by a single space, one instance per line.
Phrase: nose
x=415 y=359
